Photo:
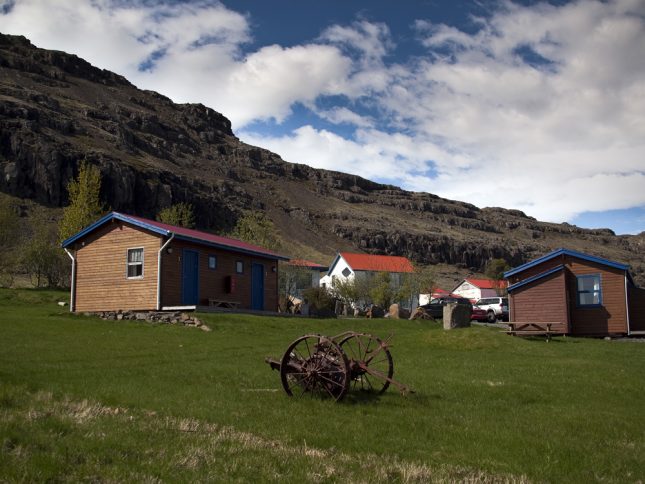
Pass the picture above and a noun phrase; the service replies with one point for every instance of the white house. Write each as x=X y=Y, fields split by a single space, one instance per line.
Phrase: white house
x=475 y=289
x=347 y=266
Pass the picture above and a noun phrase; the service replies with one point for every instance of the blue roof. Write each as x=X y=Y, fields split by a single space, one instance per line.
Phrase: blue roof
x=537 y=277
x=569 y=252
x=182 y=233
x=106 y=218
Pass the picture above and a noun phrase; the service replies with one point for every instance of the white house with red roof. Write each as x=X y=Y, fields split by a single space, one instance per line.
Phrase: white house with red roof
x=347 y=266
x=475 y=289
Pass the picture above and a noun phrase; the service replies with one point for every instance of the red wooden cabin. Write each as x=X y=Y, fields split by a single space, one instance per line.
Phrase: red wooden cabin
x=588 y=295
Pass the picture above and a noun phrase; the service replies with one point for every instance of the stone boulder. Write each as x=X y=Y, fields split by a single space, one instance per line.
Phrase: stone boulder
x=393 y=312
x=456 y=316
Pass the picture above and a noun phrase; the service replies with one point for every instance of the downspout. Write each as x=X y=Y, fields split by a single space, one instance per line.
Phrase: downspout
x=627 y=305
x=72 y=292
x=159 y=270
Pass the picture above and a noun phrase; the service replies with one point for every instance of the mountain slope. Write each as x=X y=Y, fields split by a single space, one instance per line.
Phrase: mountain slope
x=56 y=110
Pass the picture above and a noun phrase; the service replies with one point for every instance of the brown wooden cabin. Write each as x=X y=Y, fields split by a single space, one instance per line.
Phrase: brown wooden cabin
x=587 y=294
x=123 y=262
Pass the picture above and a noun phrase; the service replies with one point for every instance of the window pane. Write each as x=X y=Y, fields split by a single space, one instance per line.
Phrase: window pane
x=239 y=267
x=212 y=262
x=589 y=290
x=135 y=255
x=135 y=270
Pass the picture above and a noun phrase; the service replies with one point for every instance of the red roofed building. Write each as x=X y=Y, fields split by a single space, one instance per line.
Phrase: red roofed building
x=123 y=262
x=347 y=265
x=476 y=289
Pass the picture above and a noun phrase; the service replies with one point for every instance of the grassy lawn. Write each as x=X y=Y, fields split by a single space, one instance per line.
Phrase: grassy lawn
x=86 y=399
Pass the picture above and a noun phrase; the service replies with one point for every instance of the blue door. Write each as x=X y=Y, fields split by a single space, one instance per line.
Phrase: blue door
x=257 y=287
x=190 y=277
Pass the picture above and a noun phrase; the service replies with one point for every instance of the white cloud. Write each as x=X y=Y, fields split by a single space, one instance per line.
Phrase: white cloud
x=343 y=115
x=542 y=109
x=192 y=53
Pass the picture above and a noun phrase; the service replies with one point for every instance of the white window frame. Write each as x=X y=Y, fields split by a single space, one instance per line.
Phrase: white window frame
x=128 y=263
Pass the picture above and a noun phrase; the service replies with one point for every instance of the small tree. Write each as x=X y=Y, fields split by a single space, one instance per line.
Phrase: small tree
x=421 y=281
x=319 y=299
x=84 y=201
x=256 y=228
x=292 y=281
x=495 y=270
x=181 y=214
x=44 y=263
x=9 y=240
x=345 y=290
x=381 y=291
x=42 y=259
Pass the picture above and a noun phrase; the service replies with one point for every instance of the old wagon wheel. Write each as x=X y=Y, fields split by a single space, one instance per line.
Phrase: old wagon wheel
x=370 y=362
x=316 y=365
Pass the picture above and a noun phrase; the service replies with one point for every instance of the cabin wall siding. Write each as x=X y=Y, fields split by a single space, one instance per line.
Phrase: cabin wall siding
x=636 y=309
x=212 y=282
x=101 y=278
x=611 y=317
x=544 y=300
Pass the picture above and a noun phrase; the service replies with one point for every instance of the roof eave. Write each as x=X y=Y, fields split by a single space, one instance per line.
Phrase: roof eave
x=537 y=277
x=230 y=248
x=569 y=252
x=107 y=218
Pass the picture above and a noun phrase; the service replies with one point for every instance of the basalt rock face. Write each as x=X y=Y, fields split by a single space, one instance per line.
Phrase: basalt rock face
x=57 y=110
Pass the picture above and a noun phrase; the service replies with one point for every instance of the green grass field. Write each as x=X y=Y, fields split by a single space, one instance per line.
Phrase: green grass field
x=86 y=399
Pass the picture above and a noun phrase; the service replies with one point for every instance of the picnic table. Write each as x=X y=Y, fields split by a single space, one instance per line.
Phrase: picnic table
x=522 y=328
x=221 y=303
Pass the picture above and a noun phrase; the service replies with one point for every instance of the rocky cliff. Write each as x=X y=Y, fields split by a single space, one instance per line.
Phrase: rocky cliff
x=56 y=110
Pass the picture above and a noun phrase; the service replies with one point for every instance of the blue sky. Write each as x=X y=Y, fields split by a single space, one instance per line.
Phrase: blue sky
x=538 y=106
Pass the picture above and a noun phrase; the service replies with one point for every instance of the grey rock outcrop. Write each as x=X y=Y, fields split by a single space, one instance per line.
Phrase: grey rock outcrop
x=58 y=110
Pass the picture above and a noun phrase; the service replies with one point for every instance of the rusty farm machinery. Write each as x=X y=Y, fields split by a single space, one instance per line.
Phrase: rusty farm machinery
x=318 y=365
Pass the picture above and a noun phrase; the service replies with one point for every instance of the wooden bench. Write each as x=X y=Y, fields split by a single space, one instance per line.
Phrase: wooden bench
x=546 y=329
x=220 y=303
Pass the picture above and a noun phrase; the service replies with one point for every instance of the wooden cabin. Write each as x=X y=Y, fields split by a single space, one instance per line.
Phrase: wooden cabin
x=123 y=262
x=587 y=295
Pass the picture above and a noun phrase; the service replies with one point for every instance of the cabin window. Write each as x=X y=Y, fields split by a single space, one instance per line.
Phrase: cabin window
x=135 y=263
x=239 y=267
x=346 y=272
x=589 y=290
x=212 y=262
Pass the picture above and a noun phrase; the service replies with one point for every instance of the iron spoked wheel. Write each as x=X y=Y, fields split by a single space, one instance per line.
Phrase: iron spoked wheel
x=315 y=365
x=366 y=351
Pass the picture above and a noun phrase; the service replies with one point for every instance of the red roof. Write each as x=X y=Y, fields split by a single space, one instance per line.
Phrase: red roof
x=306 y=263
x=486 y=283
x=200 y=236
x=379 y=263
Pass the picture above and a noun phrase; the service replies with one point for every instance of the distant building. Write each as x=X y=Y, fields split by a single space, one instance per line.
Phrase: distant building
x=475 y=289
x=301 y=274
x=347 y=266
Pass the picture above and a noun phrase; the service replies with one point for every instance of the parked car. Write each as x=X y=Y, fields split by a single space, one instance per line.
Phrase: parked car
x=435 y=307
x=479 y=314
x=495 y=308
